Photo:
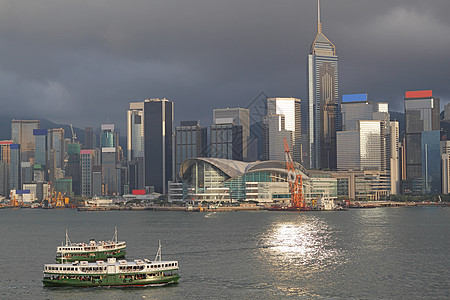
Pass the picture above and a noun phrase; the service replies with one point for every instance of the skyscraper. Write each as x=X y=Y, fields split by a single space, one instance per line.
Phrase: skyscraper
x=421 y=114
x=22 y=133
x=290 y=108
x=4 y=167
x=15 y=168
x=135 y=145
x=323 y=100
x=109 y=138
x=87 y=162
x=190 y=140
x=109 y=145
x=226 y=141
x=158 y=124
x=55 y=140
x=237 y=116
x=89 y=138
x=135 y=131
x=275 y=135
x=40 y=136
x=73 y=168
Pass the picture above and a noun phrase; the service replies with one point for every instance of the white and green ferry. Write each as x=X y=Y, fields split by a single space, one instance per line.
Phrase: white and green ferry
x=112 y=272
x=91 y=251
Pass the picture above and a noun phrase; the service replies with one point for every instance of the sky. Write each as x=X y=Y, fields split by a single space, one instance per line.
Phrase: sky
x=82 y=62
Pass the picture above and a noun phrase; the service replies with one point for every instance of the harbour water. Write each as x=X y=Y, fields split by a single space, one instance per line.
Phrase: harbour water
x=395 y=253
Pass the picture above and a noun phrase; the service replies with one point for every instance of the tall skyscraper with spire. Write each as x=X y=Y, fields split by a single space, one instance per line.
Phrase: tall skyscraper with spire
x=323 y=100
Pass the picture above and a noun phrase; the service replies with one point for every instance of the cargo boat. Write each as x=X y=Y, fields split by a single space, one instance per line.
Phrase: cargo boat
x=113 y=272
x=92 y=251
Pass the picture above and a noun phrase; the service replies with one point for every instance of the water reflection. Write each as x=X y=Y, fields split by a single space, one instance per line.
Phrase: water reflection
x=306 y=241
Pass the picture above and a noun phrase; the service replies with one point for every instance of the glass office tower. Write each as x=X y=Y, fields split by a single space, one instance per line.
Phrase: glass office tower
x=237 y=116
x=290 y=108
x=158 y=124
x=323 y=101
x=421 y=114
x=22 y=133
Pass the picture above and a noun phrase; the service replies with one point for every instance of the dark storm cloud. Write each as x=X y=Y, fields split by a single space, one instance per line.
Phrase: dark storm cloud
x=84 y=61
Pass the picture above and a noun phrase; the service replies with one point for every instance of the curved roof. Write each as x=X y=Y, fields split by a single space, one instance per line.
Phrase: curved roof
x=235 y=168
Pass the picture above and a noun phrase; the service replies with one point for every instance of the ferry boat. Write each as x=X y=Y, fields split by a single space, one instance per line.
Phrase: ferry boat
x=92 y=251
x=120 y=273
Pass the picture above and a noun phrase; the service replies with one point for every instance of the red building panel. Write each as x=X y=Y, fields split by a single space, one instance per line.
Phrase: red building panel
x=138 y=192
x=419 y=94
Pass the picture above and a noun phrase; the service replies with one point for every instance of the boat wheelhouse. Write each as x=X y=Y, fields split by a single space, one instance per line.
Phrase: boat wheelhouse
x=111 y=273
x=92 y=251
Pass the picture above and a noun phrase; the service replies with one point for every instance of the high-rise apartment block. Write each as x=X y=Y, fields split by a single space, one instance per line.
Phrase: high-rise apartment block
x=323 y=101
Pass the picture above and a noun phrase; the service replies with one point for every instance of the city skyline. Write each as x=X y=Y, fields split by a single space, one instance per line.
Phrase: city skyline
x=79 y=72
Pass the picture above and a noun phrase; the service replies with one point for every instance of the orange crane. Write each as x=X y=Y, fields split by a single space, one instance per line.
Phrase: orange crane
x=14 y=202
x=295 y=180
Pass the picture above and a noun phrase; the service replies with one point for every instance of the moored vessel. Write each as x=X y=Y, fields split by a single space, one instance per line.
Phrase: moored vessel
x=91 y=251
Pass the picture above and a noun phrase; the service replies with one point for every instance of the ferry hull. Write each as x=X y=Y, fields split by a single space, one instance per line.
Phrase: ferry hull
x=111 y=280
x=92 y=256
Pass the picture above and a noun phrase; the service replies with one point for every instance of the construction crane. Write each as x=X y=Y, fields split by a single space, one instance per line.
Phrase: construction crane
x=295 y=180
x=74 y=135
x=14 y=203
x=60 y=203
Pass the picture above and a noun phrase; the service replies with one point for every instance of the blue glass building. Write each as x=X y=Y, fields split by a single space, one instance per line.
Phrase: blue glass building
x=431 y=162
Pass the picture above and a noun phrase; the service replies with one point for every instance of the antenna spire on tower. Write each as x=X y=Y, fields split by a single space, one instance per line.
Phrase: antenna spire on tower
x=319 y=23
